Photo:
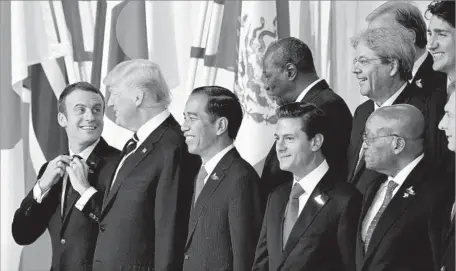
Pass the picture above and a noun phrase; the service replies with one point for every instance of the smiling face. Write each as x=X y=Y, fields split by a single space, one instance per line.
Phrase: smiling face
x=371 y=73
x=448 y=122
x=124 y=105
x=199 y=129
x=294 y=149
x=83 y=117
x=441 y=44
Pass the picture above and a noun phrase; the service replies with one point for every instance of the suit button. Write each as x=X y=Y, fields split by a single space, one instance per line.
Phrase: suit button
x=187 y=257
x=102 y=228
x=62 y=241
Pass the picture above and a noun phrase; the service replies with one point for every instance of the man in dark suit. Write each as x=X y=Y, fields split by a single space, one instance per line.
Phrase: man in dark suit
x=393 y=229
x=225 y=217
x=383 y=65
x=144 y=215
x=310 y=221
x=433 y=82
x=289 y=75
x=66 y=184
x=441 y=223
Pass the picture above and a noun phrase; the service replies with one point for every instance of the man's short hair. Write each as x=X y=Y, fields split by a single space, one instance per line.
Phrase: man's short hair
x=406 y=14
x=390 y=44
x=313 y=119
x=294 y=51
x=442 y=9
x=223 y=103
x=141 y=74
x=84 y=86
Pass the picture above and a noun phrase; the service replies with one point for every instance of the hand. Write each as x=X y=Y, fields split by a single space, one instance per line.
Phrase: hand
x=54 y=171
x=78 y=175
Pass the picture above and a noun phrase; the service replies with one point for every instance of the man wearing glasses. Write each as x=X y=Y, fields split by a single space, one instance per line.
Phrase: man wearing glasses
x=383 y=66
x=392 y=230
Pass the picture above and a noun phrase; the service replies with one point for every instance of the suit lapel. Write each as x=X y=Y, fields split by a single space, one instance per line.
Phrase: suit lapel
x=396 y=207
x=215 y=178
x=134 y=159
x=319 y=198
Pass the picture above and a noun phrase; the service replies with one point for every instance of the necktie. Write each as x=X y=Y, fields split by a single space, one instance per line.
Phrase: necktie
x=69 y=190
x=292 y=211
x=130 y=145
x=202 y=174
x=388 y=196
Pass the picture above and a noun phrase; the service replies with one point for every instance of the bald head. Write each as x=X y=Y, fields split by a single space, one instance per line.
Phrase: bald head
x=403 y=120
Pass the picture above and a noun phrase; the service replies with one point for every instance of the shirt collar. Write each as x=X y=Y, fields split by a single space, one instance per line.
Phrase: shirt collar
x=403 y=174
x=147 y=128
x=310 y=181
x=391 y=99
x=210 y=165
x=418 y=64
x=304 y=92
x=87 y=151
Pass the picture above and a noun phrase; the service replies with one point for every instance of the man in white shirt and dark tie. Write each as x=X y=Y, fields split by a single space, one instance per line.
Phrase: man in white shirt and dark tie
x=310 y=221
x=393 y=232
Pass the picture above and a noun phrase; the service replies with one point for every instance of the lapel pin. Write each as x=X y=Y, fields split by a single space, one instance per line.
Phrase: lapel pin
x=409 y=192
x=215 y=177
x=319 y=199
x=144 y=150
x=418 y=83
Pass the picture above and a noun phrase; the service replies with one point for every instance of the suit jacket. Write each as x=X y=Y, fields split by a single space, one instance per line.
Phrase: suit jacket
x=143 y=218
x=324 y=235
x=400 y=240
x=73 y=236
x=429 y=79
x=441 y=228
x=335 y=145
x=435 y=145
x=225 y=221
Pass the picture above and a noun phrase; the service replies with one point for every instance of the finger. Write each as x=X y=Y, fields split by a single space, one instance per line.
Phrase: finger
x=79 y=163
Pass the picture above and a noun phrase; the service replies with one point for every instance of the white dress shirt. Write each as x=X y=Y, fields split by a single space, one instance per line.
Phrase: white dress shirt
x=306 y=90
x=143 y=132
x=381 y=193
x=309 y=182
x=210 y=165
x=38 y=196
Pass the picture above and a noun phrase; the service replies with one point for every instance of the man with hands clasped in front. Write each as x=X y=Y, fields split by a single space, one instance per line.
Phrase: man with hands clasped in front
x=68 y=183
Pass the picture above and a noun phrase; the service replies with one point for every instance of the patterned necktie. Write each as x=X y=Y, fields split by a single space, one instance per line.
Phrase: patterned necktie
x=130 y=145
x=292 y=211
x=202 y=174
x=388 y=196
x=69 y=190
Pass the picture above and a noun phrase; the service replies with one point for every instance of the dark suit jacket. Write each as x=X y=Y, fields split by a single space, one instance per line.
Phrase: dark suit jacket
x=225 y=221
x=434 y=144
x=430 y=80
x=400 y=240
x=335 y=145
x=441 y=228
x=73 y=236
x=324 y=235
x=143 y=219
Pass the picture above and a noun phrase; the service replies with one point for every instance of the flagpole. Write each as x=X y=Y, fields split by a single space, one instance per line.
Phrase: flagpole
x=209 y=70
x=196 y=47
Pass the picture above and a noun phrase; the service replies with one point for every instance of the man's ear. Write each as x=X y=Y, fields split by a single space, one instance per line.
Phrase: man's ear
x=139 y=97
x=62 y=119
x=291 y=71
x=222 y=125
x=398 y=145
x=317 y=142
x=394 y=67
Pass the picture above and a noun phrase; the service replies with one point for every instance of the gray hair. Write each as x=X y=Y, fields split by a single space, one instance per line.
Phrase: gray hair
x=390 y=44
x=406 y=14
x=141 y=74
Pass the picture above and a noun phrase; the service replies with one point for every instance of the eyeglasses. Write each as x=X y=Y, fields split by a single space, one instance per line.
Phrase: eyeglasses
x=370 y=140
x=364 y=61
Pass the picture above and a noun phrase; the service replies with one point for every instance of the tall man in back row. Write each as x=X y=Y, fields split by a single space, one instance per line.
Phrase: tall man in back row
x=289 y=76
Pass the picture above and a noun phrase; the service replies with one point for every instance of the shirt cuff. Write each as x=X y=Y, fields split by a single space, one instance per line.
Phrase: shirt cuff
x=37 y=194
x=85 y=197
